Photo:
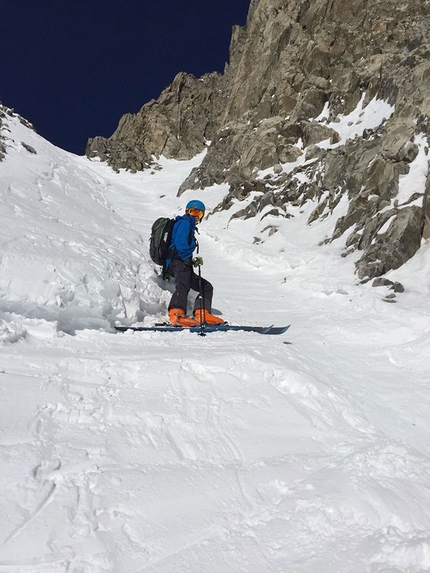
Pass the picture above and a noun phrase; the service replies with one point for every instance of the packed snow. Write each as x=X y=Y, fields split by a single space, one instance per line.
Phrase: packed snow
x=170 y=452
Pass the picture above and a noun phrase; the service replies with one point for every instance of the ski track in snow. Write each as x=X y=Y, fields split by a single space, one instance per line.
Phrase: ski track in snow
x=156 y=452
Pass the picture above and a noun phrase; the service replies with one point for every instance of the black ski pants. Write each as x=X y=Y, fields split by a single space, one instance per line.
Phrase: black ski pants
x=187 y=279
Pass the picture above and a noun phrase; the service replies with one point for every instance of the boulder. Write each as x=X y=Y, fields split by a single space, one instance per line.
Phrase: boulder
x=392 y=249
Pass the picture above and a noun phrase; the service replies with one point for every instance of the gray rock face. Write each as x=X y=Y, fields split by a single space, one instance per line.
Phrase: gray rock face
x=176 y=125
x=295 y=69
x=389 y=250
x=2 y=147
x=4 y=113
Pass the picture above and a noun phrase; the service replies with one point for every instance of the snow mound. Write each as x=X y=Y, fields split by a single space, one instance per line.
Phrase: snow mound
x=65 y=254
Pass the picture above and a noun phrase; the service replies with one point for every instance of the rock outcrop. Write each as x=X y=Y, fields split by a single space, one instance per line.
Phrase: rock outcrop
x=177 y=125
x=302 y=77
x=4 y=112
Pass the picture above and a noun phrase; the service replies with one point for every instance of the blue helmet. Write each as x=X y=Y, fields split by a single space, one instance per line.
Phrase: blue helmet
x=195 y=204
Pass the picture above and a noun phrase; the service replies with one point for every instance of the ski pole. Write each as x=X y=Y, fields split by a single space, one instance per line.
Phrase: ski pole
x=201 y=333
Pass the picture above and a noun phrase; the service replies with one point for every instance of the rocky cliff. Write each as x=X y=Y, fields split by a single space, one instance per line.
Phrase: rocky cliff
x=4 y=130
x=331 y=99
x=177 y=125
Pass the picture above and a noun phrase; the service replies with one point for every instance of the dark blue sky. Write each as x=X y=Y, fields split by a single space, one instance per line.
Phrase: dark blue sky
x=73 y=67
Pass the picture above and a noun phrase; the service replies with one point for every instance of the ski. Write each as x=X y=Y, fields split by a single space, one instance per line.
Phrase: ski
x=206 y=328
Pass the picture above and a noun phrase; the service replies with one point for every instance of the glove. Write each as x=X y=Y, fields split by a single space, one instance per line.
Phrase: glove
x=197 y=261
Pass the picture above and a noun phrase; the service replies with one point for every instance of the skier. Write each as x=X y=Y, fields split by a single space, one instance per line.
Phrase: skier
x=179 y=264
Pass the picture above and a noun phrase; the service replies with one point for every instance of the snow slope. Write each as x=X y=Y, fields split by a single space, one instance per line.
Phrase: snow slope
x=159 y=453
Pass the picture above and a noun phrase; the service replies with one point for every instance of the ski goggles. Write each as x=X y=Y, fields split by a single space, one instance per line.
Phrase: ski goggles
x=196 y=213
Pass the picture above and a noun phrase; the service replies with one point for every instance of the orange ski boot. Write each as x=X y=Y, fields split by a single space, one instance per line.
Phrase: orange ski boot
x=177 y=318
x=203 y=315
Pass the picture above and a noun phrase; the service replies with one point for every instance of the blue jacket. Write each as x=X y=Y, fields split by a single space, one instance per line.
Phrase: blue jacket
x=183 y=241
